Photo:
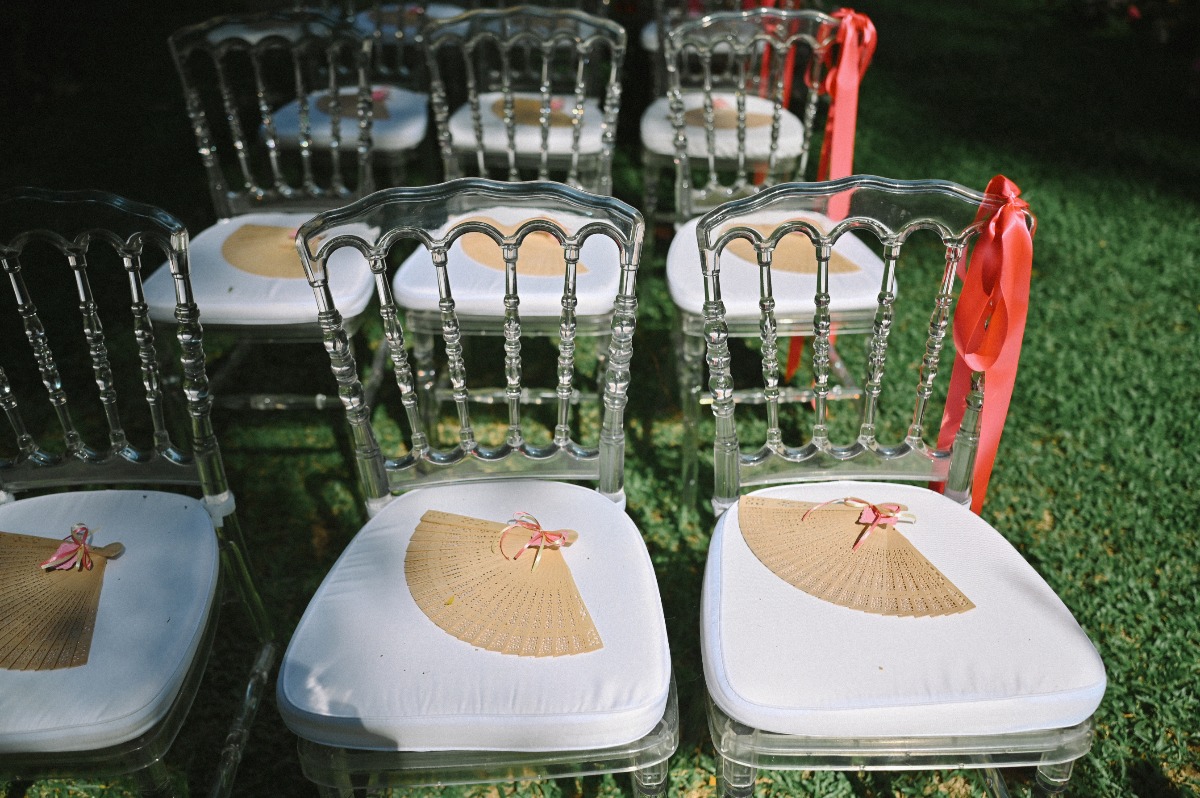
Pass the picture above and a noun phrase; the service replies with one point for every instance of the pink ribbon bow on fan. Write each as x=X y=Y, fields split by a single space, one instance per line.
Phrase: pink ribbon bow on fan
x=873 y=515
x=74 y=552
x=539 y=539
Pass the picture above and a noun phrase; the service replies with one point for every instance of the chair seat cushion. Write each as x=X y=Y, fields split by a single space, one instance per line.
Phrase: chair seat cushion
x=367 y=669
x=658 y=132
x=400 y=120
x=267 y=285
x=528 y=130
x=856 y=274
x=155 y=601
x=476 y=270
x=778 y=659
x=386 y=16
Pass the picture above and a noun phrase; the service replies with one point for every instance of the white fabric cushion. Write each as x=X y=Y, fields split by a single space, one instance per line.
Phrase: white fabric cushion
x=154 y=603
x=658 y=132
x=528 y=136
x=648 y=37
x=793 y=291
x=229 y=295
x=403 y=128
x=367 y=669
x=478 y=290
x=781 y=660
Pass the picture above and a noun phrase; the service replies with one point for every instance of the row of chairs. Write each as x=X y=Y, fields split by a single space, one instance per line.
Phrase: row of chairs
x=381 y=696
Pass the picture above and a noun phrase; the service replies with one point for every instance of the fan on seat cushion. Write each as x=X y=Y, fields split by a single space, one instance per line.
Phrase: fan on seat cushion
x=49 y=592
x=468 y=576
x=848 y=552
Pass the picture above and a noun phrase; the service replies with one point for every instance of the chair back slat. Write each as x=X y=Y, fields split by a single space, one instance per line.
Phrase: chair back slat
x=884 y=215
x=439 y=218
x=241 y=72
x=89 y=239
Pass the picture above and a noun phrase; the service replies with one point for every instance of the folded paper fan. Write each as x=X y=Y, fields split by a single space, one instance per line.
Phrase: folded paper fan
x=49 y=592
x=848 y=552
x=468 y=576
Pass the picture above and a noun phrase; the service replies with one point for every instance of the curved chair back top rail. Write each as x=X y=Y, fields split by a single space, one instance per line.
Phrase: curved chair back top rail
x=543 y=89
x=871 y=209
x=436 y=217
x=83 y=223
x=239 y=71
x=716 y=66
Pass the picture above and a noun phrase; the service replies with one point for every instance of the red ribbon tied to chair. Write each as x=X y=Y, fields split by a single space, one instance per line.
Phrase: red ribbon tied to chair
x=989 y=323
x=872 y=516
x=539 y=538
x=74 y=552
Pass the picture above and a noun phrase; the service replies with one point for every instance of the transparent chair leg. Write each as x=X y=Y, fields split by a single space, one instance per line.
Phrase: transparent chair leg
x=690 y=372
x=651 y=781
x=1052 y=779
x=426 y=378
x=155 y=781
x=601 y=366
x=993 y=783
x=736 y=780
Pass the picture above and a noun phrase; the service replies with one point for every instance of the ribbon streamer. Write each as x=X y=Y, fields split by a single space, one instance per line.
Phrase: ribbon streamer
x=989 y=323
x=872 y=515
x=539 y=539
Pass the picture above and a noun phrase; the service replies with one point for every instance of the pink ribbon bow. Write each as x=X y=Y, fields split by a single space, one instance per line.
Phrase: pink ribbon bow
x=74 y=552
x=539 y=539
x=872 y=515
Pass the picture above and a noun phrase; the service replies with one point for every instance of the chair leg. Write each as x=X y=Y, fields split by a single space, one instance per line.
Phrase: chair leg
x=1052 y=779
x=993 y=783
x=155 y=781
x=651 y=781
x=426 y=378
x=736 y=781
x=690 y=373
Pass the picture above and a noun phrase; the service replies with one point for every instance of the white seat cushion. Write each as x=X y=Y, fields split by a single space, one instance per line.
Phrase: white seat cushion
x=413 y=15
x=851 y=289
x=228 y=294
x=478 y=289
x=401 y=118
x=367 y=669
x=781 y=660
x=528 y=136
x=658 y=132
x=155 y=601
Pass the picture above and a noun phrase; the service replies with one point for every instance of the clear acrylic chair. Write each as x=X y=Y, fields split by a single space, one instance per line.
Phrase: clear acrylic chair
x=527 y=92
x=89 y=410
x=729 y=133
x=799 y=682
x=242 y=77
x=379 y=695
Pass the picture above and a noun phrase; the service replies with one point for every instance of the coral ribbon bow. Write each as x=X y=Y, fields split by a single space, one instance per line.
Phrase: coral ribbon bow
x=539 y=538
x=872 y=516
x=856 y=39
x=76 y=551
x=989 y=323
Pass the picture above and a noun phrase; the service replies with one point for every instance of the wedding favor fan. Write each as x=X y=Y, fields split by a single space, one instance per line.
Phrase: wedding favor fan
x=848 y=552
x=49 y=592
x=479 y=581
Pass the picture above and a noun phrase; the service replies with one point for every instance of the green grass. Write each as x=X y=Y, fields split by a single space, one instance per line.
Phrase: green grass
x=1096 y=478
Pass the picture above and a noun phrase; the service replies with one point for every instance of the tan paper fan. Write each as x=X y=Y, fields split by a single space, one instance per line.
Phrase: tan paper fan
x=47 y=616
x=845 y=552
x=461 y=579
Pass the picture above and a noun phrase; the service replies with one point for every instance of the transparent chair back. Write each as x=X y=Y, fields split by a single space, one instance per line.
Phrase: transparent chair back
x=928 y=224
x=436 y=217
x=238 y=72
x=527 y=93
x=726 y=58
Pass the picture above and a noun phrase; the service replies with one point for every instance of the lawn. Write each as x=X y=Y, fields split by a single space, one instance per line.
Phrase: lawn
x=1096 y=478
